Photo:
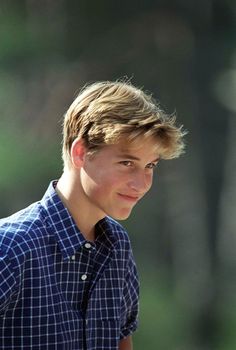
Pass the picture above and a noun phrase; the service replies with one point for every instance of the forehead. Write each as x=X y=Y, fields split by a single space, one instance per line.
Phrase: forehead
x=141 y=150
x=145 y=149
x=139 y=144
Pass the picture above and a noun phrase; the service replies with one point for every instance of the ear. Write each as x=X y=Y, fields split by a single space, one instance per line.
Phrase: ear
x=77 y=153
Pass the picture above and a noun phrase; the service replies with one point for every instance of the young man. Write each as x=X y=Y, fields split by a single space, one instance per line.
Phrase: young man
x=68 y=278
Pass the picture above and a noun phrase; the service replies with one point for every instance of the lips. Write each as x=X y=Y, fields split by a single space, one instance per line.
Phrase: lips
x=129 y=198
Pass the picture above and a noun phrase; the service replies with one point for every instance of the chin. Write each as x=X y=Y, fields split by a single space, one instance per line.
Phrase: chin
x=121 y=217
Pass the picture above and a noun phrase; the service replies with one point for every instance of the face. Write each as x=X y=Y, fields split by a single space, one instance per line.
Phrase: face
x=116 y=177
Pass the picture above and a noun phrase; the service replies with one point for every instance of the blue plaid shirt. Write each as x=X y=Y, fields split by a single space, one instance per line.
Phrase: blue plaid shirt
x=59 y=291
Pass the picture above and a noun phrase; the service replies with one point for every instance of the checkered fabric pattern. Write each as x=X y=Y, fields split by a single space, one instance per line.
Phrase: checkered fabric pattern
x=59 y=291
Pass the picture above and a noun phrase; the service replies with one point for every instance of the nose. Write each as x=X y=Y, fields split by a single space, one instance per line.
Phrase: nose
x=140 y=182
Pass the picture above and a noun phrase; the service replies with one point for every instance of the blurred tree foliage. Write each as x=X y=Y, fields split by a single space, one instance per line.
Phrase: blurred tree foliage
x=183 y=233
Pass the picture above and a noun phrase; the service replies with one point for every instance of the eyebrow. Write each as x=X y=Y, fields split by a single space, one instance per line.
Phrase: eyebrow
x=129 y=156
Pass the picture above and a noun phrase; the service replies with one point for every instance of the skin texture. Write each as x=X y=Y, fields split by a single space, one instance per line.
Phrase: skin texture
x=109 y=182
x=126 y=344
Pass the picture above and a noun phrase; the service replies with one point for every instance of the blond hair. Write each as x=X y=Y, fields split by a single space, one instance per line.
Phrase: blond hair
x=107 y=112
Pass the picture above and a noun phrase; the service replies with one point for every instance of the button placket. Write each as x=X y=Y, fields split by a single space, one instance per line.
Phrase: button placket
x=84 y=277
x=87 y=245
x=89 y=248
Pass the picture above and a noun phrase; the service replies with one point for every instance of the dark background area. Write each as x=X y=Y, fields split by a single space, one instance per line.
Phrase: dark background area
x=183 y=51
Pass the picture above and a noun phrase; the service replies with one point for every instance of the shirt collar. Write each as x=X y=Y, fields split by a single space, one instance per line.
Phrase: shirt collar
x=107 y=231
x=61 y=223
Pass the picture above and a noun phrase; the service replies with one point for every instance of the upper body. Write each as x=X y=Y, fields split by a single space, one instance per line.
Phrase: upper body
x=75 y=297
x=57 y=289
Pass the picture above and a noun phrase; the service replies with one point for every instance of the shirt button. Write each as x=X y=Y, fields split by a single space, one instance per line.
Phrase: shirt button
x=73 y=257
x=84 y=277
x=87 y=245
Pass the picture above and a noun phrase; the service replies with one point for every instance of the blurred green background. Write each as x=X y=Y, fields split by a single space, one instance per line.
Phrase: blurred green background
x=184 y=231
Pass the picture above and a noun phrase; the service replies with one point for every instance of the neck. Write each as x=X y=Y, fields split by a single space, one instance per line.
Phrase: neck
x=70 y=191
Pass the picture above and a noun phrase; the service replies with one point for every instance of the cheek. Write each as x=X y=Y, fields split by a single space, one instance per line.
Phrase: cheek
x=149 y=181
x=107 y=184
x=100 y=184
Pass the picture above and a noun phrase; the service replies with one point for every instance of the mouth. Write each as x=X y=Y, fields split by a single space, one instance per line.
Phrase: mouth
x=132 y=199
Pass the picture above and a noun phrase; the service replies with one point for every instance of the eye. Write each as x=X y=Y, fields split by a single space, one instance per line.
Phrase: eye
x=151 y=165
x=127 y=163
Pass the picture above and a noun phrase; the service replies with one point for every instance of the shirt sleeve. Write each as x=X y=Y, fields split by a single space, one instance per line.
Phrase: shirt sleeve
x=7 y=281
x=130 y=303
